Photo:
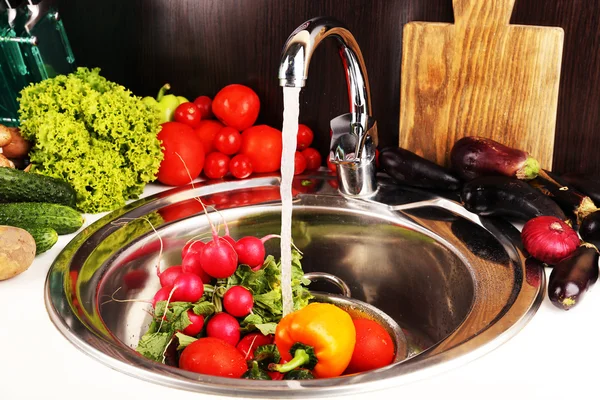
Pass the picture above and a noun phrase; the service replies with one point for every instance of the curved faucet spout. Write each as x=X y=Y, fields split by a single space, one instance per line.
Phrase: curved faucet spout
x=300 y=46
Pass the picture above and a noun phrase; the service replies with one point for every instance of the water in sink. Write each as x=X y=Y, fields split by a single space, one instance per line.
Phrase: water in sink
x=291 y=110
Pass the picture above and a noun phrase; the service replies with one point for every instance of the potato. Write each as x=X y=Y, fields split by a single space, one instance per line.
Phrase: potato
x=5 y=162
x=17 y=251
x=18 y=147
x=5 y=135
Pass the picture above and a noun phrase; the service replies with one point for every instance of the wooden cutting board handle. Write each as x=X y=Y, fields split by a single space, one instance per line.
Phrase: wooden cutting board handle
x=482 y=12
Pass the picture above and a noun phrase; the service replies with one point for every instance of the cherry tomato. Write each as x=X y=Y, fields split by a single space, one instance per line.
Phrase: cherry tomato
x=251 y=341
x=228 y=140
x=183 y=154
x=240 y=166
x=204 y=104
x=187 y=113
x=313 y=159
x=299 y=163
x=206 y=131
x=236 y=106
x=263 y=145
x=216 y=165
x=331 y=166
x=374 y=347
x=213 y=356
x=304 y=138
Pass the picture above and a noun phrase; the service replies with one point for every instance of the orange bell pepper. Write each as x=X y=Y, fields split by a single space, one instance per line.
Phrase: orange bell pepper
x=320 y=337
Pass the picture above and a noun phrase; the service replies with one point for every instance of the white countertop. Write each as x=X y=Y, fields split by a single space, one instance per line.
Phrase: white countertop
x=555 y=356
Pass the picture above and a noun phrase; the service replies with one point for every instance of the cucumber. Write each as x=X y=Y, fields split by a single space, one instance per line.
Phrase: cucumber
x=61 y=218
x=20 y=186
x=44 y=238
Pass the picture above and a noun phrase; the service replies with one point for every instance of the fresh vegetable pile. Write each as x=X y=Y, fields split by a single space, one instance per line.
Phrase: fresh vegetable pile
x=92 y=133
x=196 y=143
x=495 y=180
x=220 y=313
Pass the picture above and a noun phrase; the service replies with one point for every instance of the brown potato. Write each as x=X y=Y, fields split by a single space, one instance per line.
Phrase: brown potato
x=5 y=136
x=18 y=147
x=17 y=251
x=5 y=162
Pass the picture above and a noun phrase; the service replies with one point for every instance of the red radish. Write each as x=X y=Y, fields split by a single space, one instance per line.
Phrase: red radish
x=135 y=279
x=187 y=287
x=168 y=276
x=238 y=301
x=224 y=326
x=251 y=341
x=194 y=246
x=162 y=295
x=251 y=251
x=219 y=258
x=549 y=239
x=196 y=325
x=213 y=356
x=192 y=264
x=229 y=238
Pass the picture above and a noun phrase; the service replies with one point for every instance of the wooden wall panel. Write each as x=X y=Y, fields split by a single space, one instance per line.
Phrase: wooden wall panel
x=200 y=46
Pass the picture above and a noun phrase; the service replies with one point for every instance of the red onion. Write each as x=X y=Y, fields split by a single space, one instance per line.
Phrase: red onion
x=549 y=239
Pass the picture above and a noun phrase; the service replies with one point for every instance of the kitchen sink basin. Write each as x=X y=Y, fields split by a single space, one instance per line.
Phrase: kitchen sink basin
x=457 y=285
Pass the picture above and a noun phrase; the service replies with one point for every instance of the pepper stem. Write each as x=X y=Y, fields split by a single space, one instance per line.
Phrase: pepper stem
x=301 y=357
x=163 y=90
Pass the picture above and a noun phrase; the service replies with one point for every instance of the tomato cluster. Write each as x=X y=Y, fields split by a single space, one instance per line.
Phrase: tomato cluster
x=218 y=137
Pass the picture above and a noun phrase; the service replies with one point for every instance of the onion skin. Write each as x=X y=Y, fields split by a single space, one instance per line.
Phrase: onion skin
x=549 y=239
x=573 y=277
x=474 y=156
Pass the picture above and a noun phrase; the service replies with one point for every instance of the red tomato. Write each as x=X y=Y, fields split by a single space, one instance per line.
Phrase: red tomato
x=204 y=104
x=304 y=138
x=188 y=113
x=251 y=341
x=263 y=145
x=331 y=166
x=183 y=154
x=299 y=163
x=206 y=131
x=313 y=158
x=216 y=165
x=240 y=166
x=228 y=141
x=212 y=356
x=374 y=347
x=236 y=106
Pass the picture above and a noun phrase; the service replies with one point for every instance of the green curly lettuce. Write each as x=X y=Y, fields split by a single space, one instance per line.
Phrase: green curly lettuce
x=94 y=134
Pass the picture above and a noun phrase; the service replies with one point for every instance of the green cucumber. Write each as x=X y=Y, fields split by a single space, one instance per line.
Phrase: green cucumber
x=44 y=238
x=20 y=186
x=61 y=218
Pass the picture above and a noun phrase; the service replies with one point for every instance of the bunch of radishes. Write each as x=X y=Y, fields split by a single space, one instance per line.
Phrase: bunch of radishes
x=201 y=262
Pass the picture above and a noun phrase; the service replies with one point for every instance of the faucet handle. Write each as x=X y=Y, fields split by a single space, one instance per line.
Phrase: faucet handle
x=354 y=138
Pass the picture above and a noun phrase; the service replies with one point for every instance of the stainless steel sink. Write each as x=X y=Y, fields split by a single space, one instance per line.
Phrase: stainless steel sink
x=457 y=285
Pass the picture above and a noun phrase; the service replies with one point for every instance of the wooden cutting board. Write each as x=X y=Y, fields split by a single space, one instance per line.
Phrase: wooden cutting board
x=480 y=76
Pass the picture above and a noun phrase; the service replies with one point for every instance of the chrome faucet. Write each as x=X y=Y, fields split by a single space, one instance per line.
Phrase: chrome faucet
x=354 y=137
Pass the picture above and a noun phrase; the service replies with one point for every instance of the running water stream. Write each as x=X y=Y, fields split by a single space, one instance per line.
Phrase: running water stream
x=291 y=110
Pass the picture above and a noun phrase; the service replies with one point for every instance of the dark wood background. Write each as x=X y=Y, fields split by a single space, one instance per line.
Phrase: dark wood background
x=200 y=46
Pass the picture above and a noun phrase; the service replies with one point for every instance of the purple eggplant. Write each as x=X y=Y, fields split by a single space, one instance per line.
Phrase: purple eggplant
x=474 y=156
x=590 y=229
x=507 y=197
x=568 y=198
x=587 y=184
x=408 y=168
x=572 y=277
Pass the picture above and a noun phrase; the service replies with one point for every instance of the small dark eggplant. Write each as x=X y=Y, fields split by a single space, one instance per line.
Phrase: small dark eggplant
x=502 y=196
x=586 y=184
x=569 y=199
x=572 y=277
x=408 y=168
x=590 y=229
x=474 y=156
